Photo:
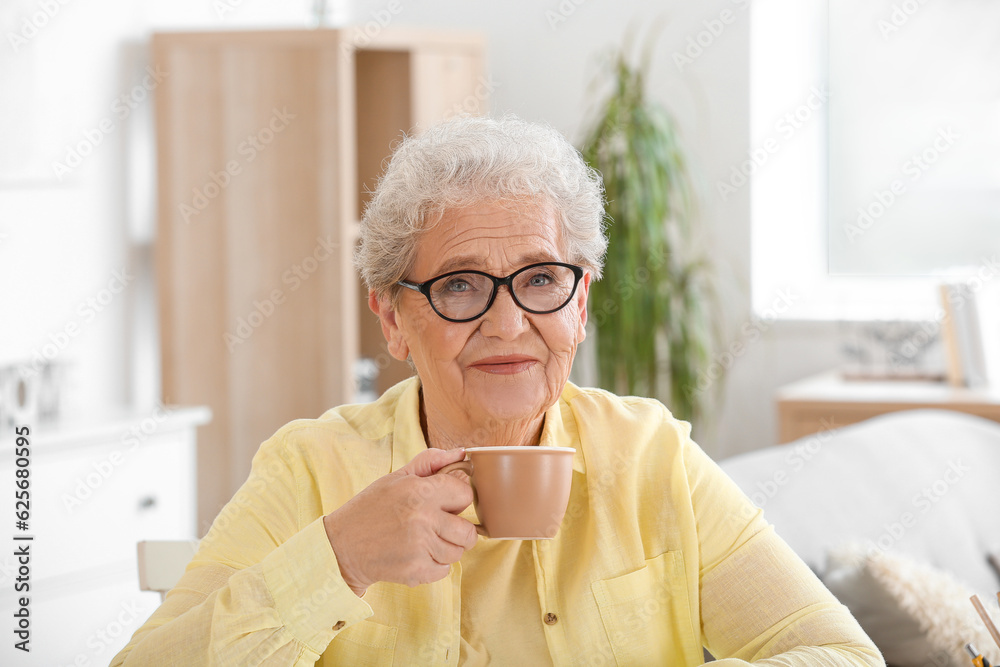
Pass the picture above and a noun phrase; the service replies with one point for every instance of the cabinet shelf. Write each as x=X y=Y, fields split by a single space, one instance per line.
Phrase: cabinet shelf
x=828 y=401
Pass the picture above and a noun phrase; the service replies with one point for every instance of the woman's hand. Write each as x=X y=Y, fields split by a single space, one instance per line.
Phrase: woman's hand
x=404 y=526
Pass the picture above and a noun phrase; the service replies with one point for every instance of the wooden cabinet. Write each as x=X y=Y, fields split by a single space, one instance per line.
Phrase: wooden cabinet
x=265 y=143
x=827 y=401
x=97 y=489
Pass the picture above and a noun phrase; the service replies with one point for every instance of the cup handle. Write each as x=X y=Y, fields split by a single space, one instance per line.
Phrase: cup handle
x=466 y=467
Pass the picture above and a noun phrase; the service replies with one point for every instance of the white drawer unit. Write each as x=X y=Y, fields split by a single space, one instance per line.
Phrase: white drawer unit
x=97 y=489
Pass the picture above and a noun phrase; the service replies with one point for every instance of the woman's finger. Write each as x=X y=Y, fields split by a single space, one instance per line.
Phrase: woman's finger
x=428 y=462
x=445 y=553
x=457 y=531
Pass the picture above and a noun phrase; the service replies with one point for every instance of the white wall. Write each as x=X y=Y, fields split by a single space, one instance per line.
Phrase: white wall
x=62 y=240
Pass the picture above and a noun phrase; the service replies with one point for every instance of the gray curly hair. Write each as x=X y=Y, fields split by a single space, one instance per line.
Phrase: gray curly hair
x=470 y=160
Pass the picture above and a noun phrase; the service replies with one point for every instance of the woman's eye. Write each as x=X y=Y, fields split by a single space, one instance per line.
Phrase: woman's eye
x=457 y=285
x=540 y=280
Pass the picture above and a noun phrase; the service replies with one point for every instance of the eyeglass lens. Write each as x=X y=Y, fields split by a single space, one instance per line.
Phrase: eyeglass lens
x=538 y=288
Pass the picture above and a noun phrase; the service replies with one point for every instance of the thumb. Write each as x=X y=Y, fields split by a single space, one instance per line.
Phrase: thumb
x=428 y=462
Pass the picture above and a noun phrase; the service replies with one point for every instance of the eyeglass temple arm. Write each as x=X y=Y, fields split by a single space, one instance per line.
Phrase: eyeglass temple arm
x=412 y=286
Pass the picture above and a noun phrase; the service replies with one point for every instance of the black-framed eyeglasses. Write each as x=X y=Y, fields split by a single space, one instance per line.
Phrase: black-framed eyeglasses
x=462 y=296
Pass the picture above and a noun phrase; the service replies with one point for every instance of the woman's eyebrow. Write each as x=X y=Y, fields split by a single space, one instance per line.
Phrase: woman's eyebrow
x=472 y=262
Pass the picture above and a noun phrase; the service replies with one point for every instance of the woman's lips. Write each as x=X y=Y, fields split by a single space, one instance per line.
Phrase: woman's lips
x=504 y=365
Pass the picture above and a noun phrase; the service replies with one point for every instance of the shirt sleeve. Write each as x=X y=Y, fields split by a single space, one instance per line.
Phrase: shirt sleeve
x=262 y=588
x=760 y=603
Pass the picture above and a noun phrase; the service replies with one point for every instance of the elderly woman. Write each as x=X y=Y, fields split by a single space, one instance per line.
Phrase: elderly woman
x=344 y=548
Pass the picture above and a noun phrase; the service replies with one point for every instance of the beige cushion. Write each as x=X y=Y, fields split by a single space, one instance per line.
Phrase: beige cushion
x=916 y=614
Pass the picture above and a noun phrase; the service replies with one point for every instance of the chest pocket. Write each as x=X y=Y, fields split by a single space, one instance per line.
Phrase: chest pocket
x=647 y=616
x=365 y=643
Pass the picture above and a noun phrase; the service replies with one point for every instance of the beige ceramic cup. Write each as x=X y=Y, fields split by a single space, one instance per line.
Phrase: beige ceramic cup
x=519 y=493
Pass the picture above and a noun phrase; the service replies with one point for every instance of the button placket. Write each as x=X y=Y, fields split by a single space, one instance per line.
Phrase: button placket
x=550 y=616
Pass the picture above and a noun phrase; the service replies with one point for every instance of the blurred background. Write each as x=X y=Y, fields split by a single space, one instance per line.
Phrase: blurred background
x=180 y=185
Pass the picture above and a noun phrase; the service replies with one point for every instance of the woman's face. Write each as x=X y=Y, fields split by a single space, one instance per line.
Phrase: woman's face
x=508 y=364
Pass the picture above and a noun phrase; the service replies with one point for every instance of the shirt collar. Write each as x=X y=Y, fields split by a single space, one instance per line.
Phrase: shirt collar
x=407 y=436
x=559 y=429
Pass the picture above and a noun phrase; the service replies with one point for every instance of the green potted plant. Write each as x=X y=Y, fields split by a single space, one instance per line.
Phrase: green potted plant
x=653 y=308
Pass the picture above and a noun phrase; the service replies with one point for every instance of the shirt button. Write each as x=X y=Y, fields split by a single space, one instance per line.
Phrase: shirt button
x=339 y=625
x=551 y=619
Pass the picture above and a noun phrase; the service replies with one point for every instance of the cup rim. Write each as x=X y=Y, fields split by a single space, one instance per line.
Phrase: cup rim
x=518 y=448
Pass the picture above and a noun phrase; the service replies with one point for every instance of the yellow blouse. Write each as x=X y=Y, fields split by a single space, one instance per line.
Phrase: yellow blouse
x=659 y=554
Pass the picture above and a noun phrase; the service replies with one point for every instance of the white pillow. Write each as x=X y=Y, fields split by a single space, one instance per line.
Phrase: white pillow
x=916 y=614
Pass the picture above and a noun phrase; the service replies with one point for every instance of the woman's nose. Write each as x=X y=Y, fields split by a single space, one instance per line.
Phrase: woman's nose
x=505 y=319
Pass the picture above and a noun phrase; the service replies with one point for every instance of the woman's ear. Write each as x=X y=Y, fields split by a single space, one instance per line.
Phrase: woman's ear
x=387 y=316
x=582 y=292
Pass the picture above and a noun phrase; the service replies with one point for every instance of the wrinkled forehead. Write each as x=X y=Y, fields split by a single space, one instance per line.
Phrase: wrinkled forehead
x=492 y=235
